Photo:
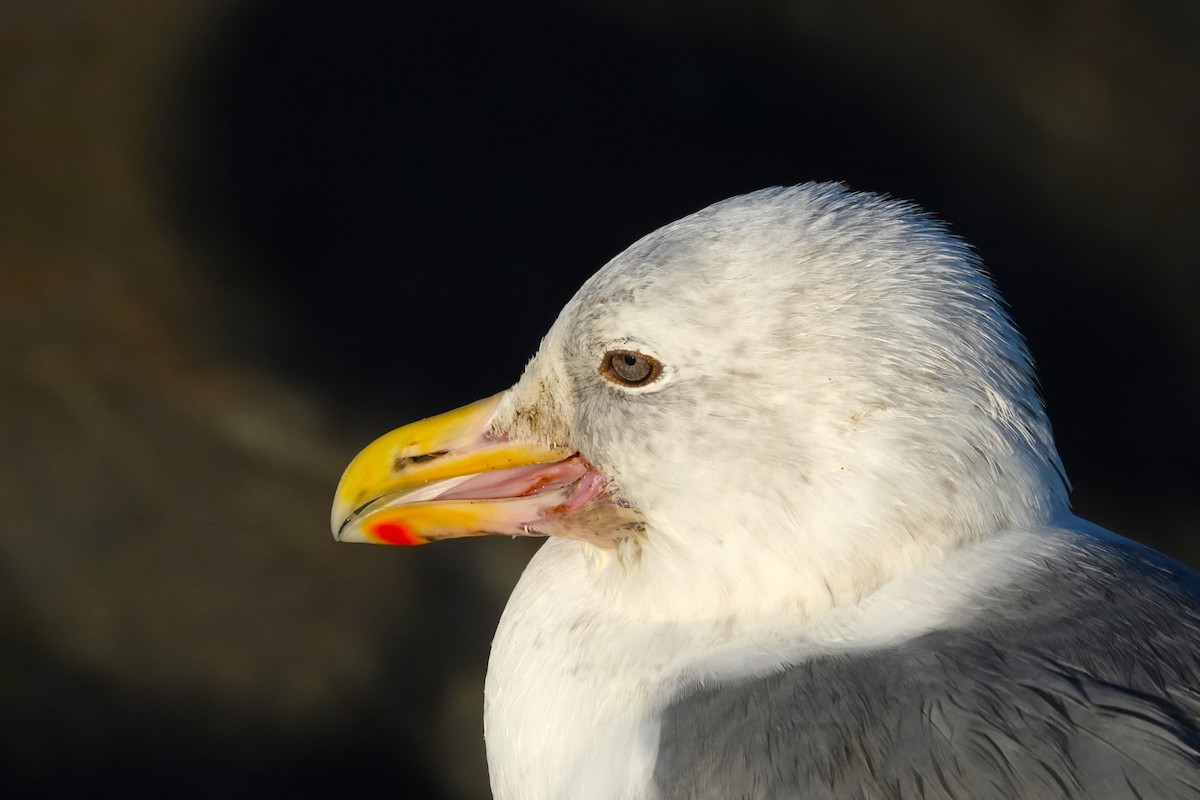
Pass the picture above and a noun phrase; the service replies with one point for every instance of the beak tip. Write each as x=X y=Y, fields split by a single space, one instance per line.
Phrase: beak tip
x=338 y=520
x=349 y=532
x=386 y=532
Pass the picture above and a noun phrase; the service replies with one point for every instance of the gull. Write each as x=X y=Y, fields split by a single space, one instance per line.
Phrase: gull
x=808 y=534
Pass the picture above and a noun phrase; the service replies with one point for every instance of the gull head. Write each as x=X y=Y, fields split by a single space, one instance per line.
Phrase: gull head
x=787 y=397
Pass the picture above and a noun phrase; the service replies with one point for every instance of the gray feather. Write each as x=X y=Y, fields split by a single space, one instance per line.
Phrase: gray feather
x=1081 y=682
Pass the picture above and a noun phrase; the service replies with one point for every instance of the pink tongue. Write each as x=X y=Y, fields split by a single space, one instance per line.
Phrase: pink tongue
x=519 y=482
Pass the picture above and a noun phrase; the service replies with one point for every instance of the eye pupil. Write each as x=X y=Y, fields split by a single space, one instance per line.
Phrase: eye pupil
x=630 y=369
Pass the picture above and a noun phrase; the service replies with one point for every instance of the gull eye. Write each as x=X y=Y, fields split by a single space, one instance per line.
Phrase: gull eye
x=628 y=368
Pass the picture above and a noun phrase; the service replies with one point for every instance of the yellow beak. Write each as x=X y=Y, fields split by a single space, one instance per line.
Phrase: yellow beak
x=448 y=476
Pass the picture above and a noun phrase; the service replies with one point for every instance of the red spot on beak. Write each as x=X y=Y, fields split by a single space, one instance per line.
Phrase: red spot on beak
x=395 y=533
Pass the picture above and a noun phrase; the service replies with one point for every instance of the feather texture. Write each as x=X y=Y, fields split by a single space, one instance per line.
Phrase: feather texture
x=1082 y=681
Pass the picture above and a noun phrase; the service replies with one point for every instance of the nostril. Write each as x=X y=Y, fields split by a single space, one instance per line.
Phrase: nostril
x=402 y=462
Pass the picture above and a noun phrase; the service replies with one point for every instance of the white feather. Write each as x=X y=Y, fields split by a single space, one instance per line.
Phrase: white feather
x=846 y=448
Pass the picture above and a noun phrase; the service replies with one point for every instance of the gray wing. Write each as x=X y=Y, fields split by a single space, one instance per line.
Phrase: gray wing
x=1093 y=696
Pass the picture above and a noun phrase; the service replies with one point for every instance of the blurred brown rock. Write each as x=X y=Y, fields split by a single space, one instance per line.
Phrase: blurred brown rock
x=171 y=594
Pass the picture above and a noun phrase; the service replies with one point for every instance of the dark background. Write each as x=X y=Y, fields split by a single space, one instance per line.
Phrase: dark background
x=238 y=240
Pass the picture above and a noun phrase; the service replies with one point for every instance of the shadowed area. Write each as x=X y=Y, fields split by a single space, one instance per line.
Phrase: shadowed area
x=239 y=240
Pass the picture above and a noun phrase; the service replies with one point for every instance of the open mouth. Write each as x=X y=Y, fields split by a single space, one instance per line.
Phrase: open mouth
x=451 y=476
x=512 y=501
